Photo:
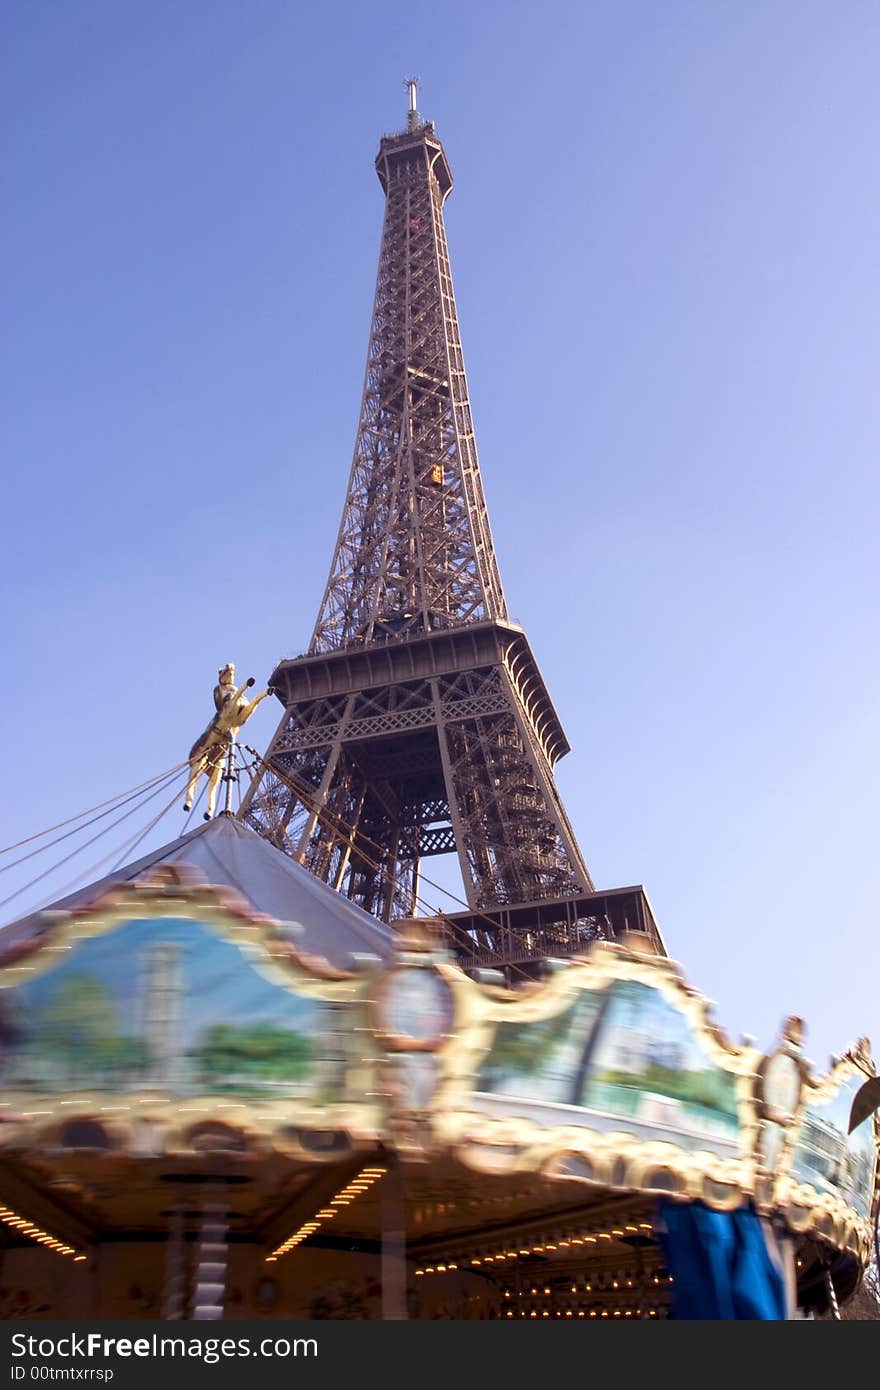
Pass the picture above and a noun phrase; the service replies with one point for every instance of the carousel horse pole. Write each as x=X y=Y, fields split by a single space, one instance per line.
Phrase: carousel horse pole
x=208 y=753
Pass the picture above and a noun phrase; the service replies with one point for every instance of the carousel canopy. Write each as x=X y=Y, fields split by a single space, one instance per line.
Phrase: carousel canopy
x=538 y=1141
x=226 y=853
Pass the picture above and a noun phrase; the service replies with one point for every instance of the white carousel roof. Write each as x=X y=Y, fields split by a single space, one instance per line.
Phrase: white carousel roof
x=226 y=853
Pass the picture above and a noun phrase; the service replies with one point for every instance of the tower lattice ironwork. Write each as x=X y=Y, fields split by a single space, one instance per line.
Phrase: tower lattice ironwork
x=418 y=722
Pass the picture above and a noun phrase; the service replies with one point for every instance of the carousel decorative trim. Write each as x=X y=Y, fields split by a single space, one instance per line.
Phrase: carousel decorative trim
x=609 y=1077
x=153 y=1119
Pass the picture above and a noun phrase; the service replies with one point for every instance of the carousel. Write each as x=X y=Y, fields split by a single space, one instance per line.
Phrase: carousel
x=227 y=1092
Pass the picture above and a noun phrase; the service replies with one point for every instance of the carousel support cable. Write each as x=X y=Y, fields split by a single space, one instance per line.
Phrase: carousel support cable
x=138 y=836
x=124 y=848
x=70 y=820
x=114 y=805
x=244 y=768
x=105 y=830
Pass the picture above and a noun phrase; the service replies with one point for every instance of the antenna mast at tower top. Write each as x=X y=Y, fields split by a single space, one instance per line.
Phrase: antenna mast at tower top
x=412 y=87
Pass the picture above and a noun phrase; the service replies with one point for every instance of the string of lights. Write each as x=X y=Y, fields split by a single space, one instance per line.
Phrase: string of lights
x=540 y=1247
x=344 y=1197
x=23 y=1227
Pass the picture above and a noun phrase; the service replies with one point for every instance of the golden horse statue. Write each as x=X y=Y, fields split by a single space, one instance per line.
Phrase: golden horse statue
x=209 y=752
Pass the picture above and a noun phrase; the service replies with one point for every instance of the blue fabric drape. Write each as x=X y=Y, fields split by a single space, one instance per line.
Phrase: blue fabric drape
x=720 y=1264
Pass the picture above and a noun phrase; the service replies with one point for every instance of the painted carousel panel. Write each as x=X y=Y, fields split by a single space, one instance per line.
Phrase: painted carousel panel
x=170 y=1005
x=831 y=1161
x=622 y=1058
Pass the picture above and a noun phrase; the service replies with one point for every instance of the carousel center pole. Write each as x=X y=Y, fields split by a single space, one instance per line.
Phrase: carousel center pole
x=832 y=1297
x=230 y=776
x=393 y=1227
x=210 y=1278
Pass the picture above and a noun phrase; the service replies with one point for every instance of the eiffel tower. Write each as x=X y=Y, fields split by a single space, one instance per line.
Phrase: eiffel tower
x=418 y=722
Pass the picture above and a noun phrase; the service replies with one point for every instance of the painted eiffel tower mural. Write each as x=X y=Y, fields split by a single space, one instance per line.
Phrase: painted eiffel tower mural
x=418 y=722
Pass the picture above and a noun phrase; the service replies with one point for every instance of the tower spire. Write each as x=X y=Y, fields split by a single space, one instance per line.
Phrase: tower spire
x=413 y=118
x=414 y=551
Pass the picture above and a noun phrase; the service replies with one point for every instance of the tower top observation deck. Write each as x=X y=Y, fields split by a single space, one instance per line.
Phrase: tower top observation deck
x=418 y=141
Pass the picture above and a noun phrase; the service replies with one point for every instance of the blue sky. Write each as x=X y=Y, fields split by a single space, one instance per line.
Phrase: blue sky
x=663 y=236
